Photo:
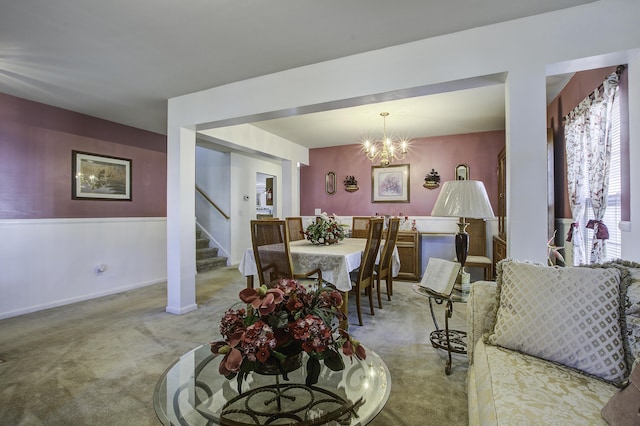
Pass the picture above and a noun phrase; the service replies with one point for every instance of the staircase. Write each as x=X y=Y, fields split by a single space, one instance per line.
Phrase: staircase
x=207 y=257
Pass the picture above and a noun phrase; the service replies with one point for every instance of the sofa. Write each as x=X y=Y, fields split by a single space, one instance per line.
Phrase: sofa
x=551 y=345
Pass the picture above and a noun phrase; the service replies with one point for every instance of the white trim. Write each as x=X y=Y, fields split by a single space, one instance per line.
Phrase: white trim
x=80 y=220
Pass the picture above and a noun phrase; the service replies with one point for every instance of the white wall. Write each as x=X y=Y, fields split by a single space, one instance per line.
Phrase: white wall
x=525 y=50
x=50 y=262
x=213 y=171
x=243 y=183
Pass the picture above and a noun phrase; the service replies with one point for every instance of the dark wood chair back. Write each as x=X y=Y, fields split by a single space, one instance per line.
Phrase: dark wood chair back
x=383 y=269
x=360 y=226
x=296 y=231
x=271 y=250
x=365 y=276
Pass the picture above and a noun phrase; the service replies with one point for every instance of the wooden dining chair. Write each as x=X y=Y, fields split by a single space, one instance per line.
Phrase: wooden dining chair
x=364 y=279
x=296 y=231
x=270 y=239
x=383 y=270
x=360 y=226
x=477 y=257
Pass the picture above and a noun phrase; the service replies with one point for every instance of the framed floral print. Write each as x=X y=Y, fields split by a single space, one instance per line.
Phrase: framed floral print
x=390 y=184
x=99 y=177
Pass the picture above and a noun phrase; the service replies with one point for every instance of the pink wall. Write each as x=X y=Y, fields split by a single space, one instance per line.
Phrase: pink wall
x=36 y=141
x=478 y=150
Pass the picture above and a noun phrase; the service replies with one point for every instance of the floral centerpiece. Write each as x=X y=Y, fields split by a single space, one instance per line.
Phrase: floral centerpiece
x=279 y=323
x=326 y=230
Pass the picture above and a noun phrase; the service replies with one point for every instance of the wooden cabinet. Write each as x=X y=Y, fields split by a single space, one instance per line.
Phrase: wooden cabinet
x=502 y=194
x=500 y=240
x=499 y=250
x=408 y=245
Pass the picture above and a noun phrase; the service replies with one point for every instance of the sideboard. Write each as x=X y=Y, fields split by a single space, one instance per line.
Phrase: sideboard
x=408 y=245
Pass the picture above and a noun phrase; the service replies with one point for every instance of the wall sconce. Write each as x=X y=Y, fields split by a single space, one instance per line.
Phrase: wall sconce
x=351 y=184
x=432 y=180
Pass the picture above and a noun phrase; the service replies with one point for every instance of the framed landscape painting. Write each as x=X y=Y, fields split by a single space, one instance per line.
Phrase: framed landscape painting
x=100 y=177
x=390 y=184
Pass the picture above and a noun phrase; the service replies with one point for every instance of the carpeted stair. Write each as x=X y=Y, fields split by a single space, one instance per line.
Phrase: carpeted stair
x=207 y=257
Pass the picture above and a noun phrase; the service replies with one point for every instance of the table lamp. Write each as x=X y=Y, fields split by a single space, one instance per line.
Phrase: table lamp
x=463 y=199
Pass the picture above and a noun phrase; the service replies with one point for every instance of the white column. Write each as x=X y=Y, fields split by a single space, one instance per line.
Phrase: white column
x=181 y=223
x=290 y=188
x=631 y=232
x=526 y=163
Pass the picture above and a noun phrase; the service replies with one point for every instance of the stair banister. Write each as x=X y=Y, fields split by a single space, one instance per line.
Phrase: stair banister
x=206 y=197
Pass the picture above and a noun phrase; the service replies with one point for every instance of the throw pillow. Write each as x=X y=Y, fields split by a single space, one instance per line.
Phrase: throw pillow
x=630 y=303
x=623 y=408
x=566 y=315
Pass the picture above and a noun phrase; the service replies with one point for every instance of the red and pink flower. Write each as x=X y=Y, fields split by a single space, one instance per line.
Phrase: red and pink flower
x=281 y=321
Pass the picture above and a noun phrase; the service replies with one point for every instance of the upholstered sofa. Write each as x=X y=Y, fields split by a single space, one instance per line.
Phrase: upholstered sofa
x=513 y=325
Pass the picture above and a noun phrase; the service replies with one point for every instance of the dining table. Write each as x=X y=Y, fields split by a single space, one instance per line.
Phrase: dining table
x=335 y=261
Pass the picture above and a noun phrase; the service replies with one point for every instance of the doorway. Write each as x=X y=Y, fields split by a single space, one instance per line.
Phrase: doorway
x=265 y=196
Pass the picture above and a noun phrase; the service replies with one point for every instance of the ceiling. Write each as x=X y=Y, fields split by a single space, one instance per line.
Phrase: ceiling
x=121 y=60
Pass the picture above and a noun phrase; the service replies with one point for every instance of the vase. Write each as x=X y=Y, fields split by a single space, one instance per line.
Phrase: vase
x=325 y=243
x=290 y=363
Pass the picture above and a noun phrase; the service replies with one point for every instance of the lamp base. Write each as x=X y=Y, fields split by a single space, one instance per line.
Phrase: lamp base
x=462 y=250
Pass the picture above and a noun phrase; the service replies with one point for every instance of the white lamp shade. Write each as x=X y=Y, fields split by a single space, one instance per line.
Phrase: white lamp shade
x=463 y=198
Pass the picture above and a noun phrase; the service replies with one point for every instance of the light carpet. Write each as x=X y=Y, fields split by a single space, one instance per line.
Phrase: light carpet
x=97 y=362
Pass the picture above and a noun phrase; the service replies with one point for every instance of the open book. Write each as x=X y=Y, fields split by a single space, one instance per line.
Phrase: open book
x=440 y=275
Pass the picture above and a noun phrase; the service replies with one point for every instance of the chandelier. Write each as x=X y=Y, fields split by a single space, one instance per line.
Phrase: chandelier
x=386 y=149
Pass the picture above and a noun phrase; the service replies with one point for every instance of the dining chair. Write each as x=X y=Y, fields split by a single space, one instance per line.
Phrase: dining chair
x=296 y=231
x=383 y=270
x=364 y=276
x=270 y=239
x=477 y=257
x=360 y=226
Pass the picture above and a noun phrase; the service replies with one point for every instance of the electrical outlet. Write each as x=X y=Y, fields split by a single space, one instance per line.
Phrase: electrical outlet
x=99 y=270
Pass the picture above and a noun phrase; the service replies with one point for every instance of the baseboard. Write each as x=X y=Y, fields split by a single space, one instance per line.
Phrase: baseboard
x=180 y=311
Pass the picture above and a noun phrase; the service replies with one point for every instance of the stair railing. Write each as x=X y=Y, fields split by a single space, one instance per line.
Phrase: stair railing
x=210 y=201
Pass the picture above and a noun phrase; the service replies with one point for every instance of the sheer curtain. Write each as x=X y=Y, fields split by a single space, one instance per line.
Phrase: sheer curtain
x=588 y=149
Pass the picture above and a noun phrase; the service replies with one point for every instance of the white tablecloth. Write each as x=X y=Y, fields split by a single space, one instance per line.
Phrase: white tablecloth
x=335 y=261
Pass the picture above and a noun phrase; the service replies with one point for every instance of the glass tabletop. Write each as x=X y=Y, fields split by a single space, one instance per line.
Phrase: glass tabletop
x=193 y=392
x=456 y=296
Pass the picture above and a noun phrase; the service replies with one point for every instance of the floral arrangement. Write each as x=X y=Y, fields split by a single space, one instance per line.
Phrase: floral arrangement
x=280 y=322
x=432 y=177
x=326 y=230
x=350 y=181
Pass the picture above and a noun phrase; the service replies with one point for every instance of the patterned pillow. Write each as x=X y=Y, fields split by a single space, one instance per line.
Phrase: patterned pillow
x=632 y=315
x=630 y=302
x=566 y=315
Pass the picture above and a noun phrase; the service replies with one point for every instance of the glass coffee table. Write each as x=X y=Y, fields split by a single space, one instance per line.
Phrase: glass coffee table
x=193 y=392
x=452 y=341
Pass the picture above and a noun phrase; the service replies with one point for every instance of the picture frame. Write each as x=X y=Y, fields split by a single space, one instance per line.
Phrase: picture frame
x=100 y=177
x=330 y=183
x=390 y=184
x=462 y=172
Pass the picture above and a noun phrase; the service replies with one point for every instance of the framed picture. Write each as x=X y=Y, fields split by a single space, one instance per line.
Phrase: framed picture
x=462 y=172
x=100 y=177
x=390 y=184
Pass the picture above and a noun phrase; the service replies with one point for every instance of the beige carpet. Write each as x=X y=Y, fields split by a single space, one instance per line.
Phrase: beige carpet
x=97 y=362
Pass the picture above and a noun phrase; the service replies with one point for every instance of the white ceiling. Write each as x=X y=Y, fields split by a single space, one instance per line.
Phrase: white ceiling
x=121 y=60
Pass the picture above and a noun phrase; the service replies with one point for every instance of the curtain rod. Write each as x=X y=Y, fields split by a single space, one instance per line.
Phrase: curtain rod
x=600 y=87
x=618 y=71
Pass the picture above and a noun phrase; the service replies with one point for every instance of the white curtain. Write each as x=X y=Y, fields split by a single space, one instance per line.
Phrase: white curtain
x=575 y=134
x=588 y=147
